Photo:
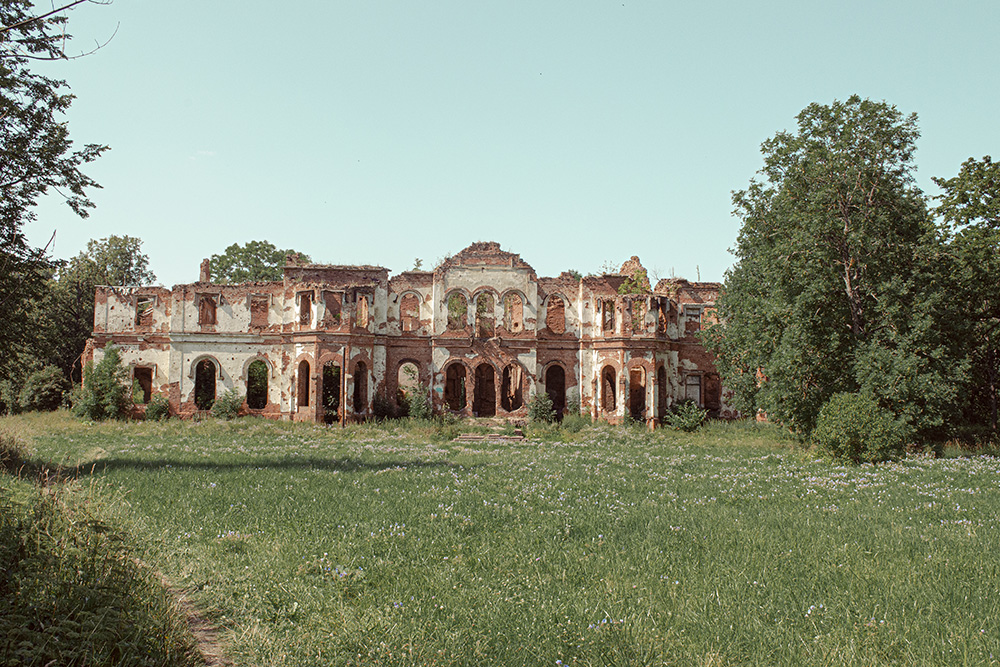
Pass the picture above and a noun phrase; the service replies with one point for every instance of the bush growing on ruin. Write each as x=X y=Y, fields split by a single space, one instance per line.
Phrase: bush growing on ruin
x=105 y=392
x=540 y=408
x=228 y=405
x=382 y=407
x=852 y=427
x=574 y=422
x=417 y=404
x=685 y=416
x=158 y=408
x=573 y=404
x=43 y=390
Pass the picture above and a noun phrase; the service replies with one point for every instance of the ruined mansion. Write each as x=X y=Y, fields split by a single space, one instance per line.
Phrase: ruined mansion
x=480 y=334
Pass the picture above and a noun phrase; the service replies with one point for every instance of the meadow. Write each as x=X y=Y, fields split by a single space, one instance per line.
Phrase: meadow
x=393 y=545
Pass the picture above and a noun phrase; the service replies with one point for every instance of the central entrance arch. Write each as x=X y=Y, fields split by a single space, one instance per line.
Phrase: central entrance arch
x=555 y=387
x=454 y=387
x=637 y=394
x=204 y=384
x=485 y=399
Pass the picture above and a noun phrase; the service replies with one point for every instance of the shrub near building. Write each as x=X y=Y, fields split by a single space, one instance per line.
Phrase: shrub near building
x=852 y=427
x=105 y=394
x=43 y=390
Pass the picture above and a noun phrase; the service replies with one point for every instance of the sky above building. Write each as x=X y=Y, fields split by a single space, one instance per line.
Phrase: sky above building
x=574 y=133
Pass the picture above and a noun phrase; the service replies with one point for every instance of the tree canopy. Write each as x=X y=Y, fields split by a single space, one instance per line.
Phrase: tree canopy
x=36 y=157
x=838 y=281
x=68 y=304
x=253 y=261
x=970 y=209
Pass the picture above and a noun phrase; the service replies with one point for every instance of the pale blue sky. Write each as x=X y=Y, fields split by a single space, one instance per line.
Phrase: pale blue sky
x=573 y=133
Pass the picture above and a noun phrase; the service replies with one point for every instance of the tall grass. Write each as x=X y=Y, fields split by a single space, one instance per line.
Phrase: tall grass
x=72 y=589
x=391 y=545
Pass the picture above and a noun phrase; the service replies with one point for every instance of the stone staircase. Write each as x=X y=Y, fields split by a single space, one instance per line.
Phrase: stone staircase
x=497 y=426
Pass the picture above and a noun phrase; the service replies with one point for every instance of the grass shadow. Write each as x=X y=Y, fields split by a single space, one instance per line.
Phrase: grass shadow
x=46 y=473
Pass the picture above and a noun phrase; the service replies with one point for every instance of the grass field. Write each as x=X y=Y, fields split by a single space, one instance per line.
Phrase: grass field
x=610 y=546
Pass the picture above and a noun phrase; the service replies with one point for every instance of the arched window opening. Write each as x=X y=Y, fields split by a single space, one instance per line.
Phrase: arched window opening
x=485 y=399
x=331 y=392
x=555 y=315
x=513 y=313
x=555 y=387
x=484 y=315
x=302 y=388
x=360 y=387
x=661 y=392
x=454 y=387
x=407 y=382
x=637 y=394
x=257 y=385
x=608 y=389
x=204 y=384
x=362 y=319
x=305 y=308
x=511 y=388
x=458 y=310
x=409 y=312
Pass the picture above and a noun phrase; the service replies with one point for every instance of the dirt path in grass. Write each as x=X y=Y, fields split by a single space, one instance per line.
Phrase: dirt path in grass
x=206 y=635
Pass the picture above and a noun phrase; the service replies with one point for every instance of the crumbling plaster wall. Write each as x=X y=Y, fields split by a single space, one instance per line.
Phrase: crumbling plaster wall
x=662 y=333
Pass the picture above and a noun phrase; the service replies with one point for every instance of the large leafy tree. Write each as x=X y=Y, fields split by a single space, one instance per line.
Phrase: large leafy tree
x=970 y=206
x=67 y=309
x=36 y=157
x=838 y=273
x=115 y=260
x=253 y=261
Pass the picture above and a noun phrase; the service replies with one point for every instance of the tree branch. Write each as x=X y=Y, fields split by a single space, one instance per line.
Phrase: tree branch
x=32 y=19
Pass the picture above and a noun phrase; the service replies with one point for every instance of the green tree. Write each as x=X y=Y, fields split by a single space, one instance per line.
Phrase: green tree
x=970 y=206
x=636 y=283
x=115 y=260
x=36 y=157
x=253 y=261
x=67 y=308
x=43 y=390
x=105 y=393
x=838 y=281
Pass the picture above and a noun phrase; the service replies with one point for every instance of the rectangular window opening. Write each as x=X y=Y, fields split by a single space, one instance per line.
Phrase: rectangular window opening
x=142 y=385
x=144 y=311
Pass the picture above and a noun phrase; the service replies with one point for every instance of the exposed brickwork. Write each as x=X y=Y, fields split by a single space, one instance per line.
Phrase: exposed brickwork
x=335 y=338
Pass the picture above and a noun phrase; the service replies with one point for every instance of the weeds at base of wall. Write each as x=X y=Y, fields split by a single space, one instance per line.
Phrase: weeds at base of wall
x=575 y=422
x=540 y=408
x=228 y=405
x=417 y=404
x=158 y=408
